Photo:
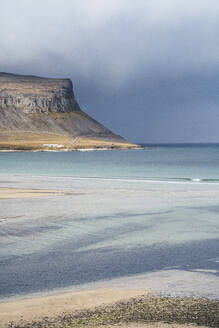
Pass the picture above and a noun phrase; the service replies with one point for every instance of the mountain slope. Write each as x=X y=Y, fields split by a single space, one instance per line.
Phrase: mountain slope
x=42 y=113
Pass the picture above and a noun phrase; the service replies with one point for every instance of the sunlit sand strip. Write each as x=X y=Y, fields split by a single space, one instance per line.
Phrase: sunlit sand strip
x=12 y=193
x=55 y=305
x=109 y=307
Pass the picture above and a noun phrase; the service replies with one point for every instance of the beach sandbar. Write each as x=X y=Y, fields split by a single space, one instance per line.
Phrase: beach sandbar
x=13 y=193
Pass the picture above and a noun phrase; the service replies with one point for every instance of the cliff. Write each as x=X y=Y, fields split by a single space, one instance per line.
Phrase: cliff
x=42 y=113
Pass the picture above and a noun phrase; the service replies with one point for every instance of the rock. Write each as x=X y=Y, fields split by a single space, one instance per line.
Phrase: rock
x=32 y=94
x=47 y=106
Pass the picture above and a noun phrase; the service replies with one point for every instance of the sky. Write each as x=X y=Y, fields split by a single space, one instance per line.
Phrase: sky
x=146 y=69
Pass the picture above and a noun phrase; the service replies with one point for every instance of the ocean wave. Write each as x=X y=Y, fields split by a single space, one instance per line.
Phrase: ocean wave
x=132 y=179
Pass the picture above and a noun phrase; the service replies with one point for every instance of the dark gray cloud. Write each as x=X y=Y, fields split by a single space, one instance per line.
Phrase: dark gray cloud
x=147 y=69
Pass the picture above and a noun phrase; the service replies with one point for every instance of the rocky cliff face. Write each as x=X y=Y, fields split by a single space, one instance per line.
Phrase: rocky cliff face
x=36 y=95
x=42 y=105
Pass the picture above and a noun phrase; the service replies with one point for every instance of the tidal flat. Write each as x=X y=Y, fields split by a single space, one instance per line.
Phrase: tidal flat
x=140 y=220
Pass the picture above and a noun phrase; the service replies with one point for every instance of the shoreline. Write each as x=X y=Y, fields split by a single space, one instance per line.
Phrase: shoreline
x=109 y=307
x=69 y=150
x=50 y=306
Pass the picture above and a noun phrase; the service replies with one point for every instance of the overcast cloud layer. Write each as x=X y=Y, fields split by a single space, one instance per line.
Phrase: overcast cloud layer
x=146 y=69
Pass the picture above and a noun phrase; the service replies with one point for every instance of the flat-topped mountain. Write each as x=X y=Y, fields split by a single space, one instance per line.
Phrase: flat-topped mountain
x=43 y=114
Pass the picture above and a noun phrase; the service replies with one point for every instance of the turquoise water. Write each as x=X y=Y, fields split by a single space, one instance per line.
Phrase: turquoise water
x=161 y=162
x=146 y=218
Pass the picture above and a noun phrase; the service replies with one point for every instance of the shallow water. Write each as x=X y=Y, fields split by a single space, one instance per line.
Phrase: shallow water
x=135 y=218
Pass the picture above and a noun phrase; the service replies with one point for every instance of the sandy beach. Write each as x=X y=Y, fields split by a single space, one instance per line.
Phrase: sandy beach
x=12 y=193
x=107 y=307
x=53 y=306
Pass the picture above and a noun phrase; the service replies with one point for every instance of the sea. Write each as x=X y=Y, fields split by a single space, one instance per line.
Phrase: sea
x=129 y=219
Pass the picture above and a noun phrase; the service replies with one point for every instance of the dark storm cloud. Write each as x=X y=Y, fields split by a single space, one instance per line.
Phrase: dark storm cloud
x=147 y=61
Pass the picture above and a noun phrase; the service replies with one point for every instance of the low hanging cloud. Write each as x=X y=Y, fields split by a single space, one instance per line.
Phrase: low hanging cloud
x=109 y=42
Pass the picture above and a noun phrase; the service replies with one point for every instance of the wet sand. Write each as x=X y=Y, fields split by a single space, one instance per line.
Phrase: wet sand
x=13 y=193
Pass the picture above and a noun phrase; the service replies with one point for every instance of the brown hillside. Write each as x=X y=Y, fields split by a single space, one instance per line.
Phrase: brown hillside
x=42 y=114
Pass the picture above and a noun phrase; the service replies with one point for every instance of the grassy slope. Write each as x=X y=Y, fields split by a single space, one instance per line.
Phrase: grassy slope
x=14 y=140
